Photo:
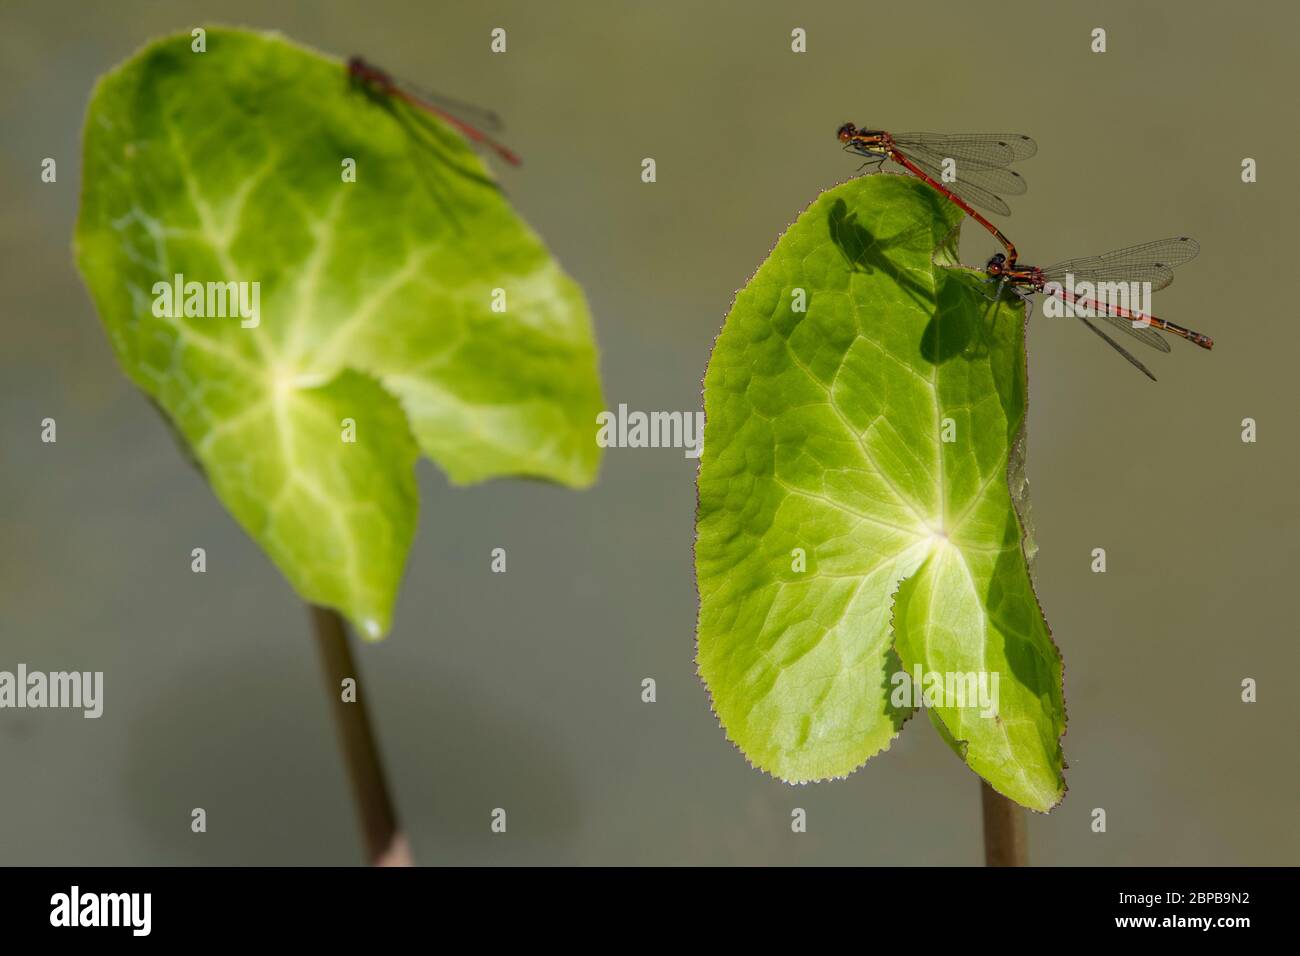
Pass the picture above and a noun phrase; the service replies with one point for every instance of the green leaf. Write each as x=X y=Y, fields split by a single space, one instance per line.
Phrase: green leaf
x=375 y=303
x=824 y=432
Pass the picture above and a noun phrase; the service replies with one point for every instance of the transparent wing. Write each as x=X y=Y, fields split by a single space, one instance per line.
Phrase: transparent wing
x=975 y=190
x=1143 y=333
x=995 y=180
x=484 y=119
x=1120 y=349
x=1152 y=262
x=986 y=150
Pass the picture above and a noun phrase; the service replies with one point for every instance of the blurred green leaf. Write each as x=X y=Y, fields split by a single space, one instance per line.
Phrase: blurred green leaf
x=375 y=303
x=825 y=437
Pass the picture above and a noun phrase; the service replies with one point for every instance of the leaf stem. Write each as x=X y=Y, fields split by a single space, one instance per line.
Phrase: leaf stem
x=385 y=844
x=1006 y=842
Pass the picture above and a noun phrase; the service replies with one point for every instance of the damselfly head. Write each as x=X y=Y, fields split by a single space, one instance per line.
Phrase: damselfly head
x=995 y=265
x=871 y=143
x=365 y=73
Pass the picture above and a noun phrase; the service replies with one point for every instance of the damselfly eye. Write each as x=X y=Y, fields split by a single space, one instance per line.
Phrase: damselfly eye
x=846 y=132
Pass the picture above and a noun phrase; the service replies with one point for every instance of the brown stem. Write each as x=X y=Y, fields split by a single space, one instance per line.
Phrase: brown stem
x=1005 y=841
x=385 y=845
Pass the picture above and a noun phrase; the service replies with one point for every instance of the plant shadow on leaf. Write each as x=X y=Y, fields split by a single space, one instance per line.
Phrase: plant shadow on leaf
x=1007 y=362
x=953 y=331
x=946 y=336
x=1015 y=614
x=1011 y=615
x=897 y=715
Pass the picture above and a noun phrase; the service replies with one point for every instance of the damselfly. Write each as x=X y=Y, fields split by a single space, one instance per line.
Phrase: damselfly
x=970 y=169
x=450 y=111
x=1151 y=263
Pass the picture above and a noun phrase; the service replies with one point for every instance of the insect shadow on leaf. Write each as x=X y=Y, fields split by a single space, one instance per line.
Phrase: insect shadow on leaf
x=865 y=253
x=951 y=331
x=436 y=142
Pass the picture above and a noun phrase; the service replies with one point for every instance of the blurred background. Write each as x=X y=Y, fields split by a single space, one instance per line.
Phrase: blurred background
x=522 y=690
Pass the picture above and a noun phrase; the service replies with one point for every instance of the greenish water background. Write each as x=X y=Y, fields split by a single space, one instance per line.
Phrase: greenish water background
x=522 y=691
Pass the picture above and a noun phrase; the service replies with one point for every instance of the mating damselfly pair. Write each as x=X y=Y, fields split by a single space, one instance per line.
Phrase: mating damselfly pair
x=973 y=170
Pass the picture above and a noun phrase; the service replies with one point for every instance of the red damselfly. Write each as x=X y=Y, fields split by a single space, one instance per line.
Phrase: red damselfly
x=1150 y=263
x=979 y=174
x=449 y=110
